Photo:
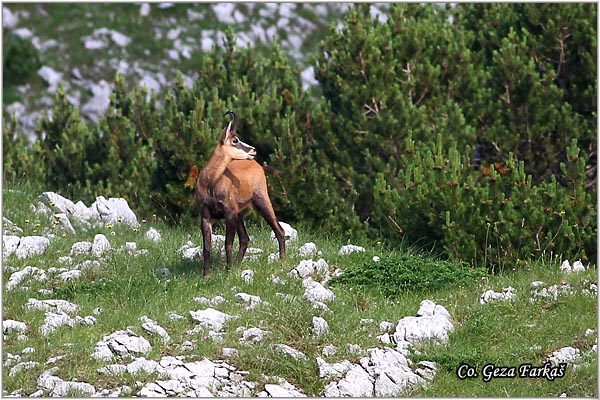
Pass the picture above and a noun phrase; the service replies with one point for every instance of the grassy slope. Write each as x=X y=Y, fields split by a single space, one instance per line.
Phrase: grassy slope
x=127 y=288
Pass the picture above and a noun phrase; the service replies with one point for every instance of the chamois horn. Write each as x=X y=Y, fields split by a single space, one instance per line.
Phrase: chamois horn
x=233 y=120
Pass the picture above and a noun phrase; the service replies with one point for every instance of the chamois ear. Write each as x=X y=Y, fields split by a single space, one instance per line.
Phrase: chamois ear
x=231 y=127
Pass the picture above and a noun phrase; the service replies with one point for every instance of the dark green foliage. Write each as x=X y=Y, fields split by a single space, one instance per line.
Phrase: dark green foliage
x=489 y=217
x=21 y=61
x=398 y=273
x=470 y=128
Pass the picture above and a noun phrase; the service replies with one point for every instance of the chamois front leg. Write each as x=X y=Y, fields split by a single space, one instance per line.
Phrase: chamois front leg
x=207 y=241
x=231 y=223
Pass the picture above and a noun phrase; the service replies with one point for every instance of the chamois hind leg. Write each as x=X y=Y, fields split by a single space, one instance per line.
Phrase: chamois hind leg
x=231 y=226
x=207 y=241
x=244 y=239
x=264 y=207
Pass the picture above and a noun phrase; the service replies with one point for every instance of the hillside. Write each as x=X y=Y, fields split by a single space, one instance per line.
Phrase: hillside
x=122 y=309
x=84 y=45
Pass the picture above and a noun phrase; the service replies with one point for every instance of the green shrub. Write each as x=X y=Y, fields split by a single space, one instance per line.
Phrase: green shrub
x=395 y=274
x=490 y=216
x=21 y=60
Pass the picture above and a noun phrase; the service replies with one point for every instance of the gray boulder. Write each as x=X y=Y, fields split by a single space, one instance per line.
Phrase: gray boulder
x=210 y=318
x=432 y=322
x=31 y=246
x=17 y=277
x=9 y=245
x=114 y=211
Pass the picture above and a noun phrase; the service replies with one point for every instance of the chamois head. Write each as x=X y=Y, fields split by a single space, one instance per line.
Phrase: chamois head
x=231 y=145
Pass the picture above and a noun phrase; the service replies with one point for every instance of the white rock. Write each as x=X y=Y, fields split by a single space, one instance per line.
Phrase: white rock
x=21 y=367
x=16 y=278
x=144 y=10
x=152 y=327
x=308 y=267
x=54 y=321
x=51 y=77
x=69 y=275
x=48 y=381
x=350 y=248
x=332 y=371
x=247 y=276
x=191 y=253
x=9 y=245
x=122 y=344
x=112 y=369
x=10 y=326
x=229 y=352
x=489 y=295
x=120 y=39
x=94 y=108
x=215 y=301
x=254 y=335
x=100 y=245
x=564 y=355
x=426 y=369
x=9 y=20
x=291 y=235
x=314 y=291
x=307 y=250
x=142 y=365
x=354 y=349
x=210 y=318
x=64 y=223
x=290 y=351
x=308 y=78
x=115 y=211
x=81 y=248
x=253 y=301
x=273 y=390
x=320 y=327
x=565 y=266
x=356 y=383
x=427 y=327
x=390 y=370
x=153 y=235
x=31 y=246
x=578 y=266
x=329 y=350
x=102 y=352
x=52 y=305
x=386 y=326
x=64 y=389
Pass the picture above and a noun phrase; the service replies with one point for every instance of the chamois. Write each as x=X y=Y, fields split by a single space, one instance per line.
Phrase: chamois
x=230 y=183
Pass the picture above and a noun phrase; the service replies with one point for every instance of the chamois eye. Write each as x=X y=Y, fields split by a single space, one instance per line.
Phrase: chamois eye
x=235 y=141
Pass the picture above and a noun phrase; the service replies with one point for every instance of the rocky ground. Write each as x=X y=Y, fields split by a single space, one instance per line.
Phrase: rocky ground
x=385 y=370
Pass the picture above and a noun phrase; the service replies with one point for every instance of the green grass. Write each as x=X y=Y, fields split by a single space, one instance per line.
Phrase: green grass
x=128 y=287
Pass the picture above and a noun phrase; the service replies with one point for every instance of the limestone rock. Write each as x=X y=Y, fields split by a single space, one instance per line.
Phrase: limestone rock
x=308 y=267
x=100 y=245
x=17 y=277
x=31 y=246
x=433 y=324
x=320 y=327
x=350 y=248
x=290 y=351
x=314 y=291
x=210 y=318
x=9 y=245
x=508 y=293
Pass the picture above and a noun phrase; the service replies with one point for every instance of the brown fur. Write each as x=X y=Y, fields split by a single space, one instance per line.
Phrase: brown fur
x=230 y=183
